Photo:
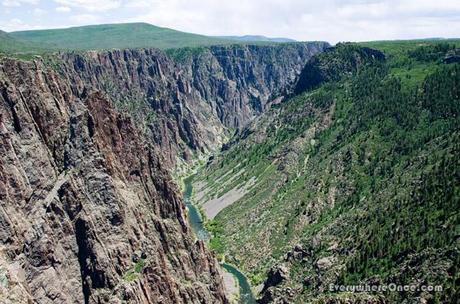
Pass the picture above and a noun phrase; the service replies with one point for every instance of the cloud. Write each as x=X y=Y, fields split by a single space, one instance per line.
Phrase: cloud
x=332 y=20
x=38 y=12
x=16 y=24
x=63 y=9
x=138 y=4
x=12 y=24
x=84 y=19
x=18 y=3
x=91 y=5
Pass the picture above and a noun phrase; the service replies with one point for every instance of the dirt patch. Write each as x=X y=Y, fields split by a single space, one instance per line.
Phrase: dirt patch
x=214 y=206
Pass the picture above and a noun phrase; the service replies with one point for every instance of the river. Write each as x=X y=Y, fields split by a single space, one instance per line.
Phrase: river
x=195 y=221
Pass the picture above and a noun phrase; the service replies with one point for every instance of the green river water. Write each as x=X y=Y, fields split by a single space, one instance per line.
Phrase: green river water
x=195 y=221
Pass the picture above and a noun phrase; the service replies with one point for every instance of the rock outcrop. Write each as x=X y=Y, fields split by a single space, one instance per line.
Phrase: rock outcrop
x=452 y=56
x=189 y=100
x=88 y=213
x=334 y=64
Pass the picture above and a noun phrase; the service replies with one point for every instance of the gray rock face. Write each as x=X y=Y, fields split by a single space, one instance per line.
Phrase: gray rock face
x=189 y=100
x=88 y=213
x=335 y=63
x=452 y=56
x=275 y=276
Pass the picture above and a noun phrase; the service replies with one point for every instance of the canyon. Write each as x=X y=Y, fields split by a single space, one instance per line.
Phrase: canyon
x=90 y=143
x=353 y=180
x=132 y=174
x=190 y=101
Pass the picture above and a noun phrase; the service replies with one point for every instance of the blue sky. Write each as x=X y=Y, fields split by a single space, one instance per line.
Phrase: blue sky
x=331 y=20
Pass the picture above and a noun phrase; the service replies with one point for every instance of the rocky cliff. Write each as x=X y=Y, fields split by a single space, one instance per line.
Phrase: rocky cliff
x=88 y=213
x=189 y=100
x=334 y=64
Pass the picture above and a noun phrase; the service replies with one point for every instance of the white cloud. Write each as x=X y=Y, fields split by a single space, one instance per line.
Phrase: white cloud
x=91 y=5
x=38 y=12
x=16 y=24
x=332 y=20
x=17 y=3
x=13 y=24
x=63 y=9
x=138 y=4
x=83 y=19
x=11 y=3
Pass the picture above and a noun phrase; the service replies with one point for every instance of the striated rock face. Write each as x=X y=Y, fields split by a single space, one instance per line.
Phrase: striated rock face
x=88 y=213
x=240 y=82
x=189 y=100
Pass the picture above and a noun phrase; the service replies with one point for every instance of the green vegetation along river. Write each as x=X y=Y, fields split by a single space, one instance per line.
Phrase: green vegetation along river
x=194 y=218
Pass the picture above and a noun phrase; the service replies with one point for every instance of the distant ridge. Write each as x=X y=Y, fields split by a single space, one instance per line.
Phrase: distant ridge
x=10 y=44
x=260 y=38
x=116 y=36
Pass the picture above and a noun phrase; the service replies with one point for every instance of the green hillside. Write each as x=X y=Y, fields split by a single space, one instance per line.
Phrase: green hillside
x=108 y=36
x=9 y=44
x=353 y=180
